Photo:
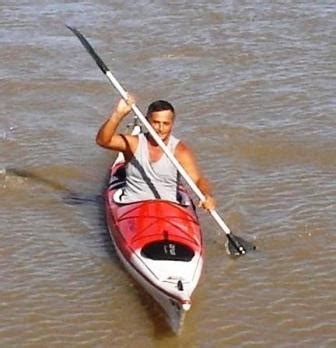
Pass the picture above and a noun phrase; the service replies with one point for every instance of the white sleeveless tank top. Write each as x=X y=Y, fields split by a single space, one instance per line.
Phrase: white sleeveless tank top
x=151 y=180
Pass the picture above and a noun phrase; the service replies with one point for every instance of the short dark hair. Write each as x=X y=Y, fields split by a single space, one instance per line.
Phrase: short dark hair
x=160 y=105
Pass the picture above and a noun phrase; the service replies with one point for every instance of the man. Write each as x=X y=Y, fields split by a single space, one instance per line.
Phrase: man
x=149 y=172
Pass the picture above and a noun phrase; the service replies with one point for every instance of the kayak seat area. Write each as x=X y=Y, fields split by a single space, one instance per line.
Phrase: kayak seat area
x=167 y=250
x=118 y=179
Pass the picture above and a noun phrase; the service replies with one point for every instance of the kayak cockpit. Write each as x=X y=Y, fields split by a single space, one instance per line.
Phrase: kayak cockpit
x=182 y=198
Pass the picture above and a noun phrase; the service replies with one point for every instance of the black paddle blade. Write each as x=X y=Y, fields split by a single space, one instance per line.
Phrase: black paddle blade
x=90 y=49
x=237 y=246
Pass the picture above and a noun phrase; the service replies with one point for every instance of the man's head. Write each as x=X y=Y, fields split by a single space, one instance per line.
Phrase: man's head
x=160 y=105
x=161 y=116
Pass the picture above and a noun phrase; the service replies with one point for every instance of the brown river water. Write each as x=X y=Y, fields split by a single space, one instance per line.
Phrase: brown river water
x=254 y=88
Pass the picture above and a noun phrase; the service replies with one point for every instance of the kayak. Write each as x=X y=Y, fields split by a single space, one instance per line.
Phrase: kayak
x=159 y=242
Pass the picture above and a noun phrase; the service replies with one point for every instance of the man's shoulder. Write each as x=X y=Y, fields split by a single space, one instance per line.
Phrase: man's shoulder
x=182 y=149
x=129 y=137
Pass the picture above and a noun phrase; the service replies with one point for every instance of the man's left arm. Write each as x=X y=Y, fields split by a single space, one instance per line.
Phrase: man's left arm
x=187 y=159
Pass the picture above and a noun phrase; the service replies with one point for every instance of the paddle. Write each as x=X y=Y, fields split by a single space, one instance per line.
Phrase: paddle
x=236 y=245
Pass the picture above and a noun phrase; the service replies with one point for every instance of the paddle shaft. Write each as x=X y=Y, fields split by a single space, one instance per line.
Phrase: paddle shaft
x=171 y=157
x=155 y=136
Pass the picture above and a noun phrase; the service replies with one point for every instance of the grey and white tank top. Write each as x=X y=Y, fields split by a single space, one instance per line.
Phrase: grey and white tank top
x=150 y=180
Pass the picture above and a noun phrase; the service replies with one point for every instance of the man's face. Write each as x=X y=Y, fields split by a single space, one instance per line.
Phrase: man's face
x=162 y=122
